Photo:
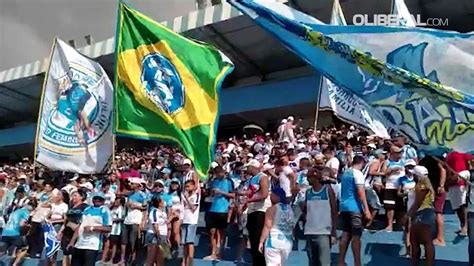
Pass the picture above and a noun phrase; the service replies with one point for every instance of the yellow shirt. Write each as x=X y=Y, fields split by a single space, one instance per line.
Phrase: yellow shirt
x=425 y=184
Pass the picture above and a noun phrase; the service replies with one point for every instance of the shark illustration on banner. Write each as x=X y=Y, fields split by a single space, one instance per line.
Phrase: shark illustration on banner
x=419 y=79
x=345 y=105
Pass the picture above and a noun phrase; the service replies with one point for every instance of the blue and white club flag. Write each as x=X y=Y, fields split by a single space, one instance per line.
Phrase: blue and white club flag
x=74 y=124
x=419 y=79
x=51 y=242
x=400 y=9
x=345 y=105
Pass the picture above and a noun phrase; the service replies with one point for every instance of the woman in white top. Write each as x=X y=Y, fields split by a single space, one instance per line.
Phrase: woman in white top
x=59 y=208
x=277 y=234
x=157 y=233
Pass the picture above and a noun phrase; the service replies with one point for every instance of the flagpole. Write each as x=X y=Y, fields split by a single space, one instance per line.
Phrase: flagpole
x=318 y=102
x=40 y=110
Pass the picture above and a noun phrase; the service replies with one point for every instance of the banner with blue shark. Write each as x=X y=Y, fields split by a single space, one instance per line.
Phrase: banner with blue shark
x=344 y=104
x=419 y=79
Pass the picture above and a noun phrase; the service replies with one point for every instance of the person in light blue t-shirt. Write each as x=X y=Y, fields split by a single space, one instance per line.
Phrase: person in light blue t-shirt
x=353 y=204
x=221 y=189
x=96 y=221
x=11 y=234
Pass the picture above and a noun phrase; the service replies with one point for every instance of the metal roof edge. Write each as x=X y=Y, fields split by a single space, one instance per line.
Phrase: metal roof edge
x=194 y=19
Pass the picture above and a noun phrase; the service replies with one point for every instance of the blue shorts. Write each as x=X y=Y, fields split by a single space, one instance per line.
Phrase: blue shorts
x=152 y=239
x=188 y=233
x=425 y=216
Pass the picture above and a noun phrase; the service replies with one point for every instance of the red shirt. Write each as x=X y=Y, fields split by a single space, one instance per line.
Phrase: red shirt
x=459 y=162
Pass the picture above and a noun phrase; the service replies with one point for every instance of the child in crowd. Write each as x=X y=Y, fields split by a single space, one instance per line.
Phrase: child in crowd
x=113 y=241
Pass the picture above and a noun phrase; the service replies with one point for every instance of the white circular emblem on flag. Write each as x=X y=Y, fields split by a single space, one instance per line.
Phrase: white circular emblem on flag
x=79 y=117
x=162 y=83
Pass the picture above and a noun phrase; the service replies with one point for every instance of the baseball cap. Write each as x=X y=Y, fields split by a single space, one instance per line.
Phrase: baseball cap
x=166 y=171
x=372 y=145
x=290 y=118
x=250 y=155
x=253 y=163
x=75 y=177
x=98 y=195
x=379 y=152
x=410 y=162
x=186 y=161
x=175 y=180
x=419 y=171
x=226 y=155
x=465 y=174
x=87 y=185
x=301 y=146
x=214 y=165
x=283 y=121
x=160 y=181
x=136 y=180
x=20 y=189
x=395 y=149
x=267 y=167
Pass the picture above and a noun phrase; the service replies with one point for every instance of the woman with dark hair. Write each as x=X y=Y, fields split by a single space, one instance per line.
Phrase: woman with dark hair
x=173 y=199
x=156 y=238
x=437 y=176
x=276 y=240
x=73 y=219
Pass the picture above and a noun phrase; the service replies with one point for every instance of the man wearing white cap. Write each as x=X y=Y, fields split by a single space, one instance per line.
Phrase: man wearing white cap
x=258 y=202
x=422 y=216
x=190 y=174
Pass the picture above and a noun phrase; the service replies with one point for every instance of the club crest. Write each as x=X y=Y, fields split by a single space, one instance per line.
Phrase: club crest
x=162 y=83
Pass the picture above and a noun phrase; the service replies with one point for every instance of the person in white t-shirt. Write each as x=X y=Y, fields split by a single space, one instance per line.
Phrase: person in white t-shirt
x=286 y=176
x=59 y=209
x=157 y=233
x=96 y=221
x=281 y=130
x=191 y=199
x=333 y=163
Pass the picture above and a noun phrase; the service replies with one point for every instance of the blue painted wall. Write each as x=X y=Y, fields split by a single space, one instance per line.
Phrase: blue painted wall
x=233 y=100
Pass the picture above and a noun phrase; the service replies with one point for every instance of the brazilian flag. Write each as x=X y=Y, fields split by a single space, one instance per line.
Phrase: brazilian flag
x=167 y=86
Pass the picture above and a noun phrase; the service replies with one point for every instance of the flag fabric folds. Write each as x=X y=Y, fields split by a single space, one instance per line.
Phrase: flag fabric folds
x=51 y=242
x=167 y=86
x=345 y=105
x=74 y=131
x=420 y=80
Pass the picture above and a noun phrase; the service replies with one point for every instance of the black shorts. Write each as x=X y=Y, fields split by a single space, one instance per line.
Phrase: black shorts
x=115 y=240
x=352 y=223
x=390 y=198
x=401 y=204
x=216 y=220
x=14 y=241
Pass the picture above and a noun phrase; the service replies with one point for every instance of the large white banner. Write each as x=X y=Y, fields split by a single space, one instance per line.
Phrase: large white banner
x=350 y=108
x=74 y=125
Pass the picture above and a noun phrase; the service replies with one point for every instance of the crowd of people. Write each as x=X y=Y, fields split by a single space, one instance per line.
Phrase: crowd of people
x=268 y=185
